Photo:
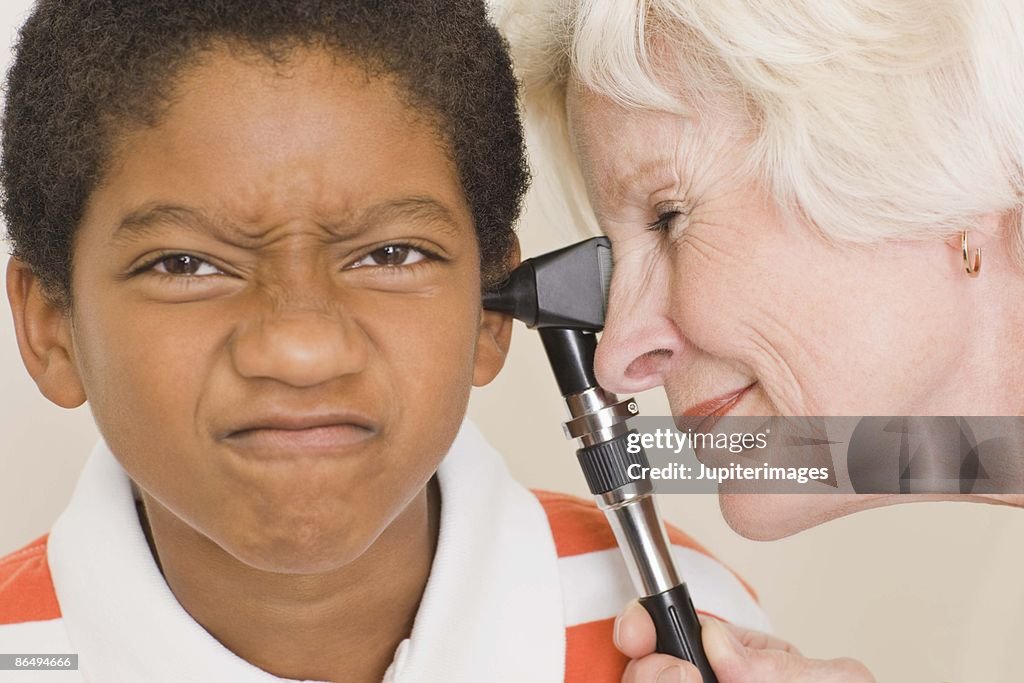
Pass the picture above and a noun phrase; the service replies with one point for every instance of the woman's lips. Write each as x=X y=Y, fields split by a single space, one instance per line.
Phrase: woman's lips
x=709 y=412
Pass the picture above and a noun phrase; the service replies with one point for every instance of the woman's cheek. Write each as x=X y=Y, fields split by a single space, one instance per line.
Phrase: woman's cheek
x=709 y=297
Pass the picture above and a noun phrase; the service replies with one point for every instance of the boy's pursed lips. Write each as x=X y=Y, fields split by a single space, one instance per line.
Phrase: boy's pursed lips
x=283 y=431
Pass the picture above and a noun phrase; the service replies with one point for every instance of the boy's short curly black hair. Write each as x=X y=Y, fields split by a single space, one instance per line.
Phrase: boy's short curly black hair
x=85 y=70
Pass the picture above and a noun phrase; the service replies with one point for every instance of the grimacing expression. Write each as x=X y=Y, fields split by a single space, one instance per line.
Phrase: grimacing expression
x=731 y=307
x=289 y=238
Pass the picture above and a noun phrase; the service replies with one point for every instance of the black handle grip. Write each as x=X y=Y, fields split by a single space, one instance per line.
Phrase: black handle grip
x=678 y=629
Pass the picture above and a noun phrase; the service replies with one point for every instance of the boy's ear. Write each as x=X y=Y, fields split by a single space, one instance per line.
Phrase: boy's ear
x=44 y=337
x=495 y=335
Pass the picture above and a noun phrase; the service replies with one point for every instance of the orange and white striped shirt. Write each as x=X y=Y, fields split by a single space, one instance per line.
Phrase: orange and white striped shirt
x=524 y=588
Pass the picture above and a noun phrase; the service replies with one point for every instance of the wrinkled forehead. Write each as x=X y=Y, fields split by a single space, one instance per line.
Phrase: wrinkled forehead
x=619 y=147
x=623 y=148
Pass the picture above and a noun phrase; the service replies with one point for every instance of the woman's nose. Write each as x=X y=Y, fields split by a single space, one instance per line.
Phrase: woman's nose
x=640 y=340
x=300 y=346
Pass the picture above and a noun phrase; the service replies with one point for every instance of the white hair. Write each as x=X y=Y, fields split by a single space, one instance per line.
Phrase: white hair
x=873 y=119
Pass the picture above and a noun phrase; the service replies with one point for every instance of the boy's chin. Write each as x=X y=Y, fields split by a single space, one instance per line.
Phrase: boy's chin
x=771 y=516
x=299 y=553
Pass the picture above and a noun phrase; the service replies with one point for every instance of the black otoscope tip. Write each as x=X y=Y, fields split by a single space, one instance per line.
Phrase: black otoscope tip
x=518 y=295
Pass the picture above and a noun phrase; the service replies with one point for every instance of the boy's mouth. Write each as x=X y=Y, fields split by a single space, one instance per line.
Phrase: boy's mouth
x=287 y=433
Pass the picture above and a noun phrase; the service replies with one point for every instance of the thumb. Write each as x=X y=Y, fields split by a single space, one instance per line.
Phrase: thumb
x=634 y=633
x=735 y=663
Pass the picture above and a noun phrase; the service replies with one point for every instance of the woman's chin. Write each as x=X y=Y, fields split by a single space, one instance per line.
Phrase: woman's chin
x=771 y=516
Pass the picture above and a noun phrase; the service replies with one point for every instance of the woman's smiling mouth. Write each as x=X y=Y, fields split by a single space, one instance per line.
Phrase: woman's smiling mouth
x=703 y=416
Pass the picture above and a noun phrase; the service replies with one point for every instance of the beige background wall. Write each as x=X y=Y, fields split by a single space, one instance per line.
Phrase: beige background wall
x=926 y=592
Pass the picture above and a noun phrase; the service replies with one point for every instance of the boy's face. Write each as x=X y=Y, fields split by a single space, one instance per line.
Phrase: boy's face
x=289 y=247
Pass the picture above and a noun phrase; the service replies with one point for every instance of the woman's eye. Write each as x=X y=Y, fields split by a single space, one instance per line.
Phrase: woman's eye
x=664 y=221
x=183 y=265
x=671 y=216
x=392 y=255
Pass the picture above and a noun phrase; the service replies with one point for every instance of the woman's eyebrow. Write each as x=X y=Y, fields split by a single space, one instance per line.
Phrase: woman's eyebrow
x=629 y=181
x=149 y=218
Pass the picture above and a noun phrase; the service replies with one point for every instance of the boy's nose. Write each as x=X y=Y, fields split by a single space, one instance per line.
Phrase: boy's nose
x=301 y=347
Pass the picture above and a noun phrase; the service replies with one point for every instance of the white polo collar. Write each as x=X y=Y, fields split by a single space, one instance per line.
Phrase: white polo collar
x=492 y=609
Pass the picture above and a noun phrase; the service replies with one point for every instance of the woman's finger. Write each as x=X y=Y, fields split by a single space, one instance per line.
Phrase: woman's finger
x=755 y=640
x=735 y=663
x=658 y=668
x=635 y=636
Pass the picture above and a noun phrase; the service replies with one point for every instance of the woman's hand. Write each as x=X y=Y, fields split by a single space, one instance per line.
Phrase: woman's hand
x=736 y=654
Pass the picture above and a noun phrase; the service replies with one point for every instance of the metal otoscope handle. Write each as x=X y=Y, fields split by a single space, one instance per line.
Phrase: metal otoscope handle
x=598 y=423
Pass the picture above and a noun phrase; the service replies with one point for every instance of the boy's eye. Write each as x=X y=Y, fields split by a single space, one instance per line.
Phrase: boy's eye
x=190 y=266
x=183 y=264
x=392 y=255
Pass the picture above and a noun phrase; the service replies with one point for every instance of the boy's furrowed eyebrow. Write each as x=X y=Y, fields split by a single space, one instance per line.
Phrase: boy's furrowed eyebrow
x=148 y=219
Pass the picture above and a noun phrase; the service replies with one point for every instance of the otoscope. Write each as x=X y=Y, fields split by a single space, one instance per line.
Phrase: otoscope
x=563 y=295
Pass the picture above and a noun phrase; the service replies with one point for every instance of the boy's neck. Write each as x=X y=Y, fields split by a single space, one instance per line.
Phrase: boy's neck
x=338 y=626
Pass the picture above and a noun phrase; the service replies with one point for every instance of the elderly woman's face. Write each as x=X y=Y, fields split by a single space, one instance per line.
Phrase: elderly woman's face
x=736 y=310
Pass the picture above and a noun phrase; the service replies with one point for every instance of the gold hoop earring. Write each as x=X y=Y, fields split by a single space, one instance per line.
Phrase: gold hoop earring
x=972 y=268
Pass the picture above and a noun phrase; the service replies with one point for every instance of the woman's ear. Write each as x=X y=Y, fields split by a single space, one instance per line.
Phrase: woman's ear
x=993 y=240
x=495 y=335
x=44 y=337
